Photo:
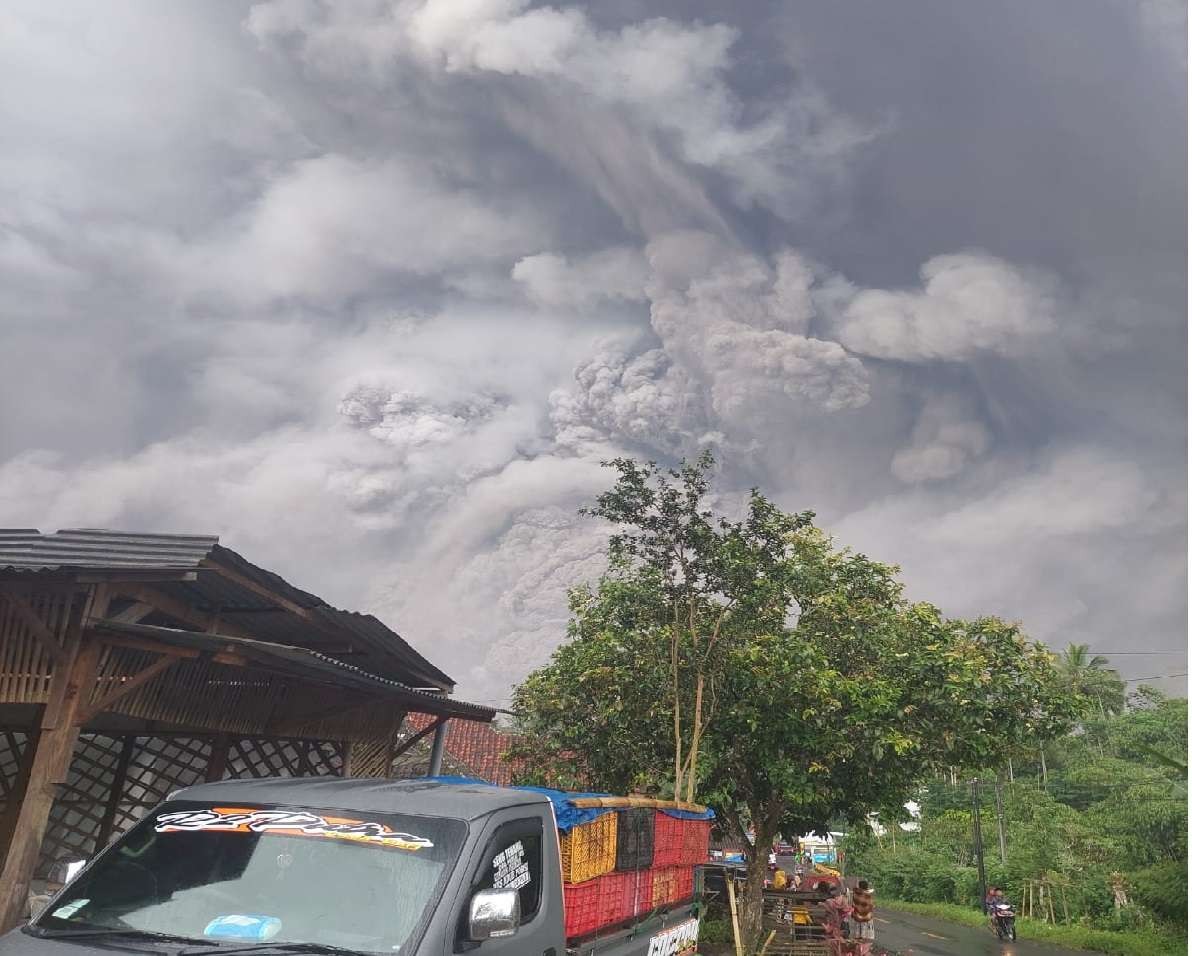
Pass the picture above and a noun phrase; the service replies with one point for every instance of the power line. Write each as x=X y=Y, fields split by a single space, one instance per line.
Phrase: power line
x=1139 y=653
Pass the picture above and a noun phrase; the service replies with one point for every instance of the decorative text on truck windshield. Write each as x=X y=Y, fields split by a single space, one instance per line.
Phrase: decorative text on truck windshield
x=287 y=823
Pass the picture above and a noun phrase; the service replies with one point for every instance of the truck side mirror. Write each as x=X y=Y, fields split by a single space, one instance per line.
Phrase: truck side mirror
x=494 y=914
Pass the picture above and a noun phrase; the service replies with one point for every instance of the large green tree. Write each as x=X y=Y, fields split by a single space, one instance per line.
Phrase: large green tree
x=755 y=666
x=1090 y=676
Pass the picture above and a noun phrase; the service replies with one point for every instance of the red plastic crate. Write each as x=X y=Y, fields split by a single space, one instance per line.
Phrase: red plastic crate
x=643 y=892
x=684 y=884
x=581 y=908
x=668 y=840
x=696 y=834
x=616 y=898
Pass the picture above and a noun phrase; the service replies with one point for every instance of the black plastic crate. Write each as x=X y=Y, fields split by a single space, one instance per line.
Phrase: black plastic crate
x=635 y=839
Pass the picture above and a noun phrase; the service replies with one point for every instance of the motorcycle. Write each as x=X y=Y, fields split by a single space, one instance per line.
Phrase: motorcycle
x=1002 y=917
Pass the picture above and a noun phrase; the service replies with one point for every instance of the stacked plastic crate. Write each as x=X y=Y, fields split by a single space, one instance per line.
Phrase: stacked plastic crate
x=589 y=851
x=626 y=863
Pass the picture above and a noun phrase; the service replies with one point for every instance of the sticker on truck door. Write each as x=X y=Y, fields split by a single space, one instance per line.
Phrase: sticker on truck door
x=680 y=940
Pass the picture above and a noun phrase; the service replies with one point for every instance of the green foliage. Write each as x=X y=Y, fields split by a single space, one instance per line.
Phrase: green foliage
x=814 y=690
x=1091 y=677
x=1163 y=889
x=1109 y=806
x=715 y=931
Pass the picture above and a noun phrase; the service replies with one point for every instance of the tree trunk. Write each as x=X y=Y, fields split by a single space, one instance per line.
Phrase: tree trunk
x=675 y=692
x=693 y=750
x=757 y=866
x=1001 y=821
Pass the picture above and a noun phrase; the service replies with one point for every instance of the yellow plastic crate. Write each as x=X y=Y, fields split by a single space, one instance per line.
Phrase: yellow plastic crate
x=590 y=849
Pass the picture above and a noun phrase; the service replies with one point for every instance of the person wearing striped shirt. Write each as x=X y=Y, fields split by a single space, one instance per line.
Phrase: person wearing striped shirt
x=861 y=919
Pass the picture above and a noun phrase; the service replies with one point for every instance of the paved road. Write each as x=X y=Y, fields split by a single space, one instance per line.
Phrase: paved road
x=907 y=933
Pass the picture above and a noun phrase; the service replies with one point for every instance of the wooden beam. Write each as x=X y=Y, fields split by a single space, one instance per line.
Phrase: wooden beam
x=141 y=644
x=219 y=758
x=256 y=588
x=425 y=731
x=37 y=627
x=16 y=793
x=180 y=610
x=399 y=719
x=127 y=745
x=70 y=686
x=125 y=688
x=118 y=576
x=134 y=613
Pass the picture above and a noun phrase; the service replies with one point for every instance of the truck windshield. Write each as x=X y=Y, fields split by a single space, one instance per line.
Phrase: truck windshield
x=267 y=874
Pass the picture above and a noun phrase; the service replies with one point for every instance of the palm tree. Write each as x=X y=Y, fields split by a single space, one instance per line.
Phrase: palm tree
x=1090 y=676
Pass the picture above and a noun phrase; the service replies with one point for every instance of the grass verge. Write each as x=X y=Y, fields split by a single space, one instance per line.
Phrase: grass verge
x=1135 y=942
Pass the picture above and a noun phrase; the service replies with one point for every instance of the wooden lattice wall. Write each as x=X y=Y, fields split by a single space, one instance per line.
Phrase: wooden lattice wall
x=232 y=718
x=91 y=809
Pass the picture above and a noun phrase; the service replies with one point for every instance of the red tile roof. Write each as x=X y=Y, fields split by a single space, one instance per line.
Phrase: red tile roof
x=476 y=748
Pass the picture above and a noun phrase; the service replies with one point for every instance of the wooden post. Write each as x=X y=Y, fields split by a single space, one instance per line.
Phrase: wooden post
x=12 y=805
x=219 y=758
x=70 y=690
x=732 y=906
x=127 y=745
x=1001 y=820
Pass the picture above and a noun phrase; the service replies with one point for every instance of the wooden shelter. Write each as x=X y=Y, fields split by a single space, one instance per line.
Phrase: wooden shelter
x=132 y=665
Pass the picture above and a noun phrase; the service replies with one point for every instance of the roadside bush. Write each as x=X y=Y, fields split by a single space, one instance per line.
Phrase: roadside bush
x=714 y=931
x=1163 y=890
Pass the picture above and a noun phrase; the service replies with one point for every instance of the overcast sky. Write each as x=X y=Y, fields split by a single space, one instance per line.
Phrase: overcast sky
x=369 y=289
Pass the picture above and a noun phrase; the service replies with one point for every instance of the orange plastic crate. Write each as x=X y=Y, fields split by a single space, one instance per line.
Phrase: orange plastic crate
x=590 y=849
x=663 y=890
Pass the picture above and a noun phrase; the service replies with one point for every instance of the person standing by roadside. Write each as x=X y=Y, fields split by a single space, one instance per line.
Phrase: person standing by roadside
x=861 y=919
x=836 y=911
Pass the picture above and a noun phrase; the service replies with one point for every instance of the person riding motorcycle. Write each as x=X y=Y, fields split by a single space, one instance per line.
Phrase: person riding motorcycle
x=994 y=898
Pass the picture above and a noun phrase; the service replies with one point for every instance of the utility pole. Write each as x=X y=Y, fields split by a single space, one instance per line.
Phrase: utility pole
x=1043 y=764
x=1001 y=820
x=977 y=844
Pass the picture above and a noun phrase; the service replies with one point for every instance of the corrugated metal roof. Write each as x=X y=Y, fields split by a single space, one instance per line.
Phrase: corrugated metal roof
x=325 y=628
x=377 y=634
x=28 y=550
x=304 y=662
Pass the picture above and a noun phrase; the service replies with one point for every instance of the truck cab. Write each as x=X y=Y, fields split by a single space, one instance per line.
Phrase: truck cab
x=326 y=865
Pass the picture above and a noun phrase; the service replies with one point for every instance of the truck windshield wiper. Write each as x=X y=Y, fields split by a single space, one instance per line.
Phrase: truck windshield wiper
x=95 y=931
x=298 y=947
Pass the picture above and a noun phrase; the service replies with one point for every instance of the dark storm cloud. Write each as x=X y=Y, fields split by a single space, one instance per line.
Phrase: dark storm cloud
x=370 y=290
